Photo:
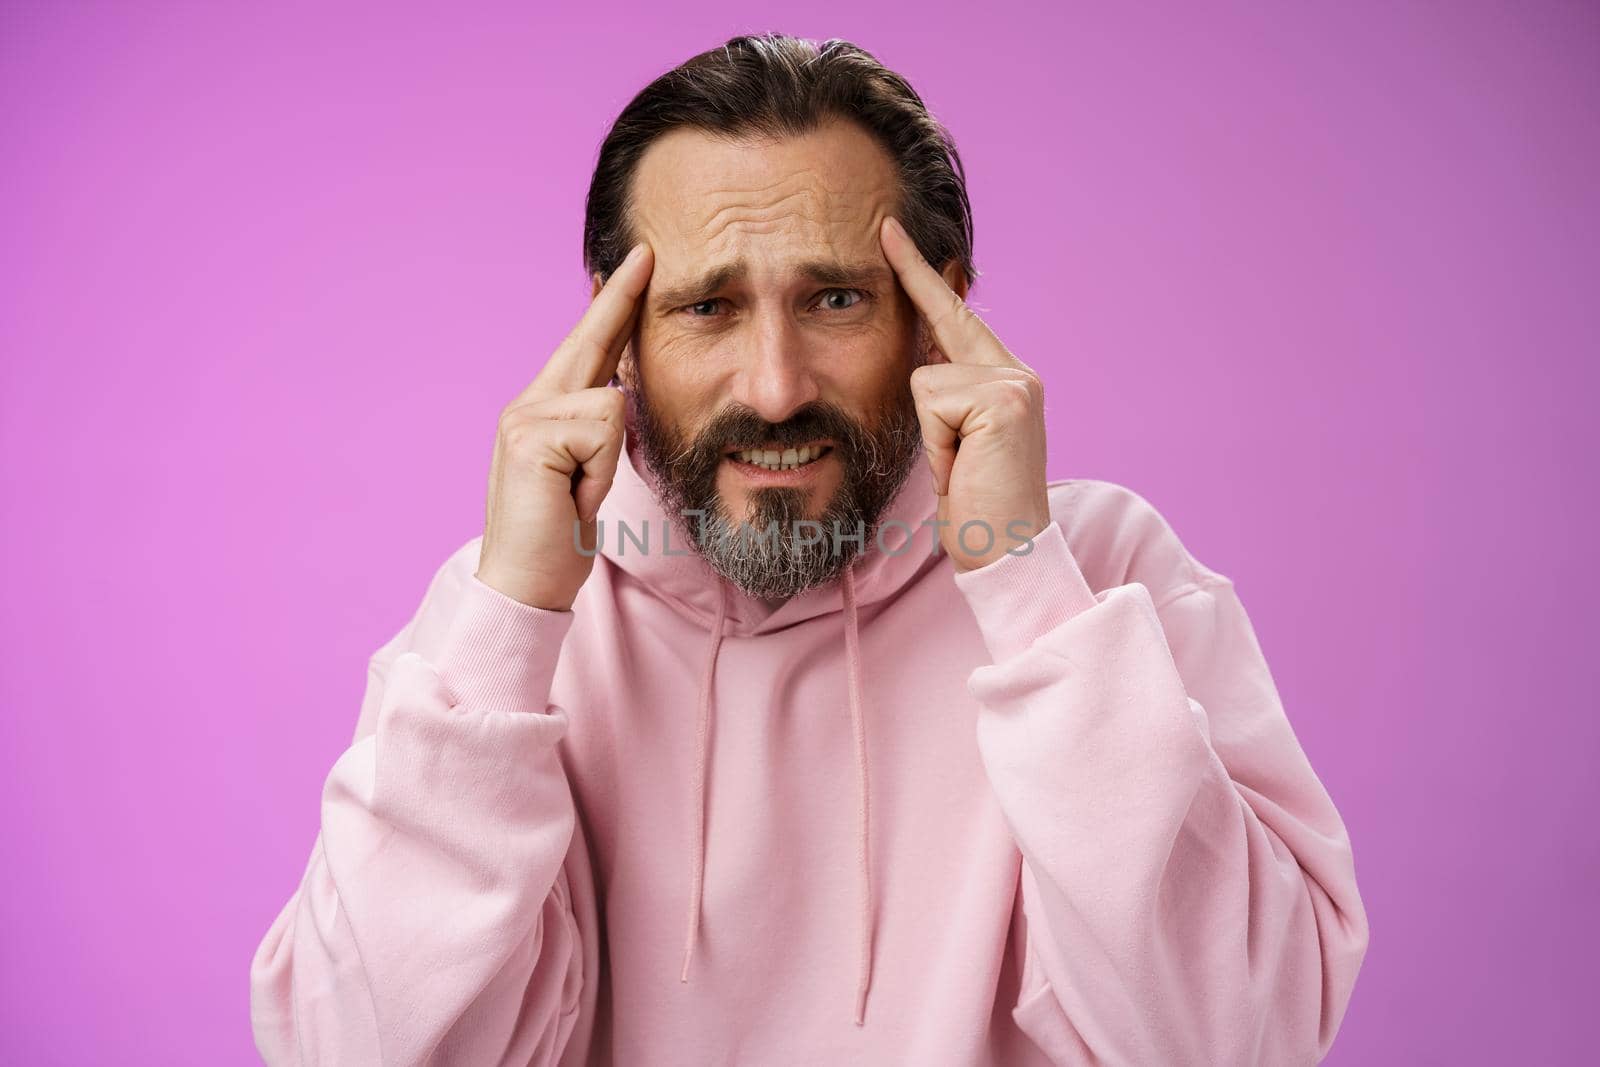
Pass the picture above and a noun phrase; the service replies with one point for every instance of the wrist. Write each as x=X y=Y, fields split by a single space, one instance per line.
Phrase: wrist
x=1022 y=596
x=532 y=591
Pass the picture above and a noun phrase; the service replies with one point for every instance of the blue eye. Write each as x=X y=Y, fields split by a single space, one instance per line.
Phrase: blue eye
x=856 y=293
x=702 y=304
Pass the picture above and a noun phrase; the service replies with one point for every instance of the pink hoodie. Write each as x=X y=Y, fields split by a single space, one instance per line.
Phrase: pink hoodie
x=1048 y=811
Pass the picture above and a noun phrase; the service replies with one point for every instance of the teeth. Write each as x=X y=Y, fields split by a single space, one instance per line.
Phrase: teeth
x=774 y=460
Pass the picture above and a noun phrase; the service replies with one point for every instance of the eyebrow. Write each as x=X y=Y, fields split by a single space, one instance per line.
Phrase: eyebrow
x=821 y=271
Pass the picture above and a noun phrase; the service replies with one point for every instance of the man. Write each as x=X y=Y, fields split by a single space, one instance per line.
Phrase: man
x=738 y=738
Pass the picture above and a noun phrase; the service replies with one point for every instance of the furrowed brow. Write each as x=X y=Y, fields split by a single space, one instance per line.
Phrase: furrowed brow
x=845 y=275
x=821 y=271
x=688 y=292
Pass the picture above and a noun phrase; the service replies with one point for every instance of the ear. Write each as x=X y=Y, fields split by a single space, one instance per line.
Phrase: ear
x=955 y=277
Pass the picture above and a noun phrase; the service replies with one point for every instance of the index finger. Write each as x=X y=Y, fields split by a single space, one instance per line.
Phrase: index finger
x=959 y=332
x=588 y=357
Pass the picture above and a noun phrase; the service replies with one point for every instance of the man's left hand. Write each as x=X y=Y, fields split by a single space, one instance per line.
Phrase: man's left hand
x=982 y=415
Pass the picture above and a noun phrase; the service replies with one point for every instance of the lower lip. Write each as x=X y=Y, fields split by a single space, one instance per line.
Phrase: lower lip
x=792 y=476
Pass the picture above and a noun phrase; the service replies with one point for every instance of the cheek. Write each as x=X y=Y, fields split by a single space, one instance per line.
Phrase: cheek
x=870 y=363
x=680 y=372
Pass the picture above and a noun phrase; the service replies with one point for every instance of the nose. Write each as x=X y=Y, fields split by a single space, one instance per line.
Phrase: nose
x=775 y=376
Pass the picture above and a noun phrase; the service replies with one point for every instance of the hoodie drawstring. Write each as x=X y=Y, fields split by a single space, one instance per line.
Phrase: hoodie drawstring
x=852 y=655
x=702 y=745
x=852 y=645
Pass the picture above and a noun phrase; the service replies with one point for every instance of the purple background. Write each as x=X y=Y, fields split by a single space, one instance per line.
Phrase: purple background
x=1319 y=282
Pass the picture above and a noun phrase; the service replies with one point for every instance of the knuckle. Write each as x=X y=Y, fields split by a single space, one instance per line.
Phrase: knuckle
x=519 y=440
x=931 y=377
x=1016 y=398
x=512 y=419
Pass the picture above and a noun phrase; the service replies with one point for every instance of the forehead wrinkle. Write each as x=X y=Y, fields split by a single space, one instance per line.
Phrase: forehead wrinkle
x=798 y=205
x=828 y=228
x=825 y=164
x=767 y=205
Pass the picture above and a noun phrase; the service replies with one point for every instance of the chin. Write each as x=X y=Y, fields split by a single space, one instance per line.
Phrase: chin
x=738 y=494
x=740 y=504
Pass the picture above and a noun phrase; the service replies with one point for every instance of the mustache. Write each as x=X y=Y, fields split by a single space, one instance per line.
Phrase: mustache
x=866 y=453
x=695 y=461
x=740 y=425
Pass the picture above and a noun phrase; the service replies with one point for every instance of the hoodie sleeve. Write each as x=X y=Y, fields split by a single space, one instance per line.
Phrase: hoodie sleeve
x=446 y=914
x=1188 y=890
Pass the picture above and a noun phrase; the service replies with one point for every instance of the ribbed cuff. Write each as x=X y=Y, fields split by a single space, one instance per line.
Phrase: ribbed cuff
x=1019 y=599
x=500 y=654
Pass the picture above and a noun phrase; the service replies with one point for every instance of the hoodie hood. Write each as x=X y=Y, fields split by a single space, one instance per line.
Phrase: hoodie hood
x=897 y=553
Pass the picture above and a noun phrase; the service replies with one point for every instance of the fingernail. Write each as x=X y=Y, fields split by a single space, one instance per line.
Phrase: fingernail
x=635 y=253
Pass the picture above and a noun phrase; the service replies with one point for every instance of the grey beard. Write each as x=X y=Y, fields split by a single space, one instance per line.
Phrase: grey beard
x=778 y=553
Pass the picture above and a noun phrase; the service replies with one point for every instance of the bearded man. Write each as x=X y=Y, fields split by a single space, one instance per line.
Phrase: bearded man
x=738 y=737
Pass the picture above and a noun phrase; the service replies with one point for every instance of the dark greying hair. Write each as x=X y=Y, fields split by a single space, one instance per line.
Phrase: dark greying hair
x=776 y=85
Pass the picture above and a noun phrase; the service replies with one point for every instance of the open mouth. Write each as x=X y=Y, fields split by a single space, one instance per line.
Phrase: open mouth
x=780 y=459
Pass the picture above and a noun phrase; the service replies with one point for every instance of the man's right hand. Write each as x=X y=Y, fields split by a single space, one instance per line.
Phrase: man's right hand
x=557 y=450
